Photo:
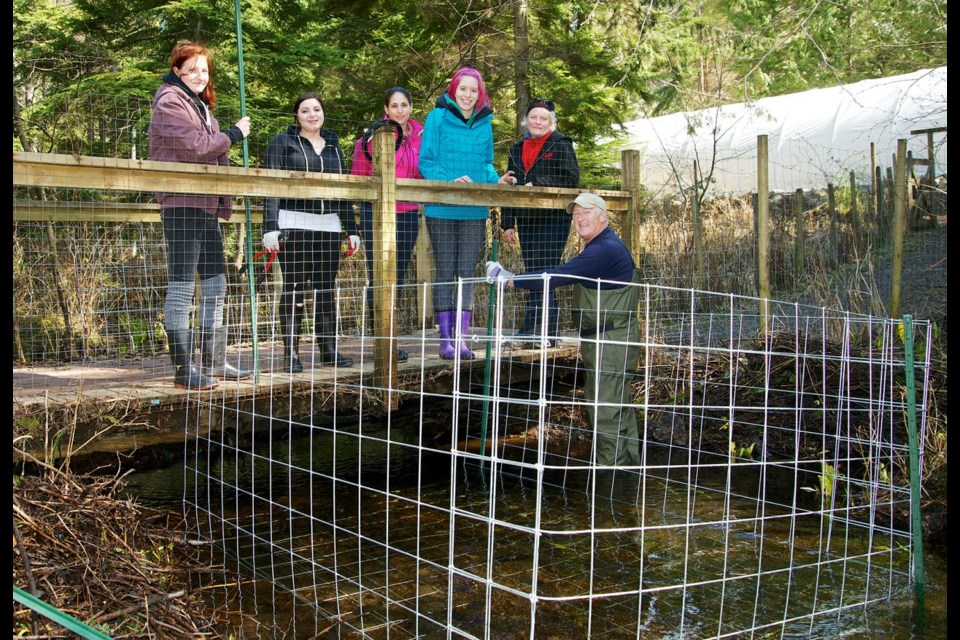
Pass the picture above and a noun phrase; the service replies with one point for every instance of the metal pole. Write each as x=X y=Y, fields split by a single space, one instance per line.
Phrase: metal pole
x=486 y=363
x=251 y=276
x=916 y=523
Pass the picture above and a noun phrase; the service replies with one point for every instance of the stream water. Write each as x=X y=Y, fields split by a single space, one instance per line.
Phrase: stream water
x=390 y=505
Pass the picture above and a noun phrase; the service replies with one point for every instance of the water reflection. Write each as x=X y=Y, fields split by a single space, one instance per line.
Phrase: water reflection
x=348 y=532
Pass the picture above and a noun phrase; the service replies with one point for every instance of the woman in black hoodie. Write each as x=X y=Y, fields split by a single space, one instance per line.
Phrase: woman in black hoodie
x=307 y=233
x=544 y=157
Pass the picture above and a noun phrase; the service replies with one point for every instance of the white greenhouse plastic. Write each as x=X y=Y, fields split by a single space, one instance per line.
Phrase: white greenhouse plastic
x=815 y=137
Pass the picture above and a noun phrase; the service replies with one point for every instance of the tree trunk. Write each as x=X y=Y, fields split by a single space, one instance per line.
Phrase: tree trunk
x=521 y=44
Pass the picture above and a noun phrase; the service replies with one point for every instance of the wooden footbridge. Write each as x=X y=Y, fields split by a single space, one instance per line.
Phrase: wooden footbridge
x=124 y=405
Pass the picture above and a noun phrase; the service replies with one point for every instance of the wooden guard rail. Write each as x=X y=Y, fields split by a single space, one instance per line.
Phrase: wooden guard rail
x=383 y=189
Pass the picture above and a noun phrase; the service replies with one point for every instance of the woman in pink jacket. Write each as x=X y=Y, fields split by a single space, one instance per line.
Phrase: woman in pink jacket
x=397 y=107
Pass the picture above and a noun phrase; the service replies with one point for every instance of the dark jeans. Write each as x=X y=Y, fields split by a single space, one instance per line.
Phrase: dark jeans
x=408 y=225
x=309 y=260
x=542 y=241
x=194 y=244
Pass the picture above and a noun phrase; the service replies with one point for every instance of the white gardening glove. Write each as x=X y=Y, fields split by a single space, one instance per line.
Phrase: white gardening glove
x=495 y=270
x=271 y=241
x=353 y=243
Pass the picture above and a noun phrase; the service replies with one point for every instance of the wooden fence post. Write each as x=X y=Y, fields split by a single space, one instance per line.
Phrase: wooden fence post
x=871 y=202
x=899 y=215
x=754 y=199
x=891 y=192
x=832 y=210
x=881 y=212
x=385 y=265
x=854 y=215
x=697 y=232
x=425 y=272
x=763 y=230
x=630 y=179
x=911 y=213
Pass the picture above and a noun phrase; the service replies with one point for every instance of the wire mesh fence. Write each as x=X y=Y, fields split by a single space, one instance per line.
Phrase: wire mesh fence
x=771 y=492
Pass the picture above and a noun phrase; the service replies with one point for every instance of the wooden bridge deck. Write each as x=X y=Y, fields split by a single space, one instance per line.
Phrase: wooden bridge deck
x=109 y=402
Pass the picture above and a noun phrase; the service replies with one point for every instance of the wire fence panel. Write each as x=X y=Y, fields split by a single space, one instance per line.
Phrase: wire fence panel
x=770 y=492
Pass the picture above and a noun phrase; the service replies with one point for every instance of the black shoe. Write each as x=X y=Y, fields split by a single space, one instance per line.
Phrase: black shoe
x=291 y=364
x=186 y=374
x=189 y=377
x=334 y=359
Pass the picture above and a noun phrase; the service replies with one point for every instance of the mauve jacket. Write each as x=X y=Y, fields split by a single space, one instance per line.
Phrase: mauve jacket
x=408 y=156
x=178 y=133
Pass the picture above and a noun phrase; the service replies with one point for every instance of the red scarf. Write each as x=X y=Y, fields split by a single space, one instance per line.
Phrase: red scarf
x=531 y=149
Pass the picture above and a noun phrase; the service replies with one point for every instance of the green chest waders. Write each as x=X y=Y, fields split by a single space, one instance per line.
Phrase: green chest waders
x=609 y=344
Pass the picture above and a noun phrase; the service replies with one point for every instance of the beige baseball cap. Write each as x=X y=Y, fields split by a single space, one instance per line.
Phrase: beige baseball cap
x=587 y=201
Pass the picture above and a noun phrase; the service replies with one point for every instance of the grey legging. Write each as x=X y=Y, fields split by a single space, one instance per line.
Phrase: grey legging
x=457 y=248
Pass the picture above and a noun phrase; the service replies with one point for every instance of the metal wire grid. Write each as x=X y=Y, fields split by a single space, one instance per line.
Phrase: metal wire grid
x=378 y=524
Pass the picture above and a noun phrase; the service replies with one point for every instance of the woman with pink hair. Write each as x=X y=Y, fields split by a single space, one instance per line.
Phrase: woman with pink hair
x=457 y=146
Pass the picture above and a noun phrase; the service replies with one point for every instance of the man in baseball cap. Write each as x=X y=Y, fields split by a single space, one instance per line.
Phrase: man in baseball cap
x=587 y=201
x=605 y=298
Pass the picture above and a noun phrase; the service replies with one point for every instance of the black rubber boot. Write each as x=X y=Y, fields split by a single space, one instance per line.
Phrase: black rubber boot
x=186 y=375
x=213 y=355
x=291 y=356
x=289 y=328
x=326 y=331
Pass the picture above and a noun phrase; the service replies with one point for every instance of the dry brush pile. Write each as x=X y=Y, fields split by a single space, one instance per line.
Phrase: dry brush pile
x=120 y=568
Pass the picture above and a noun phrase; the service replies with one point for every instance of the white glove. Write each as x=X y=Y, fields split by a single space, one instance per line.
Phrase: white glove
x=271 y=241
x=353 y=243
x=495 y=270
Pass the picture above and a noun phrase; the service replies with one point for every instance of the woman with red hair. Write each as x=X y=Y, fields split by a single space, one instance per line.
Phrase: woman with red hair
x=183 y=129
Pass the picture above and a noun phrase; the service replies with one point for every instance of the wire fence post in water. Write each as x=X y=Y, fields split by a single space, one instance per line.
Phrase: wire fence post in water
x=486 y=362
x=916 y=523
x=248 y=222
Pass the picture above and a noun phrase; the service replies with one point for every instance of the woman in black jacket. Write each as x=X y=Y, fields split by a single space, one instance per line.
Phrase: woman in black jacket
x=543 y=158
x=307 y=233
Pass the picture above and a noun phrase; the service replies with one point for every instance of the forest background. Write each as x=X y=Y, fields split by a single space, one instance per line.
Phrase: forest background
x=602 y=62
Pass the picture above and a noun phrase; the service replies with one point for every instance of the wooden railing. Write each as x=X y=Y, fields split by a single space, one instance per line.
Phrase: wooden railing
x=383 y=189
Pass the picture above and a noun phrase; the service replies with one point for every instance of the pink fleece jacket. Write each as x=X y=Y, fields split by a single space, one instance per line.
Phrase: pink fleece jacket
x=408 y=157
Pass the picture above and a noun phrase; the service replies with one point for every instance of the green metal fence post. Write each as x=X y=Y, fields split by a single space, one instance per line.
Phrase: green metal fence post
x=916 y=523
x=486 y=365
x=58 y=617
x=251 y=275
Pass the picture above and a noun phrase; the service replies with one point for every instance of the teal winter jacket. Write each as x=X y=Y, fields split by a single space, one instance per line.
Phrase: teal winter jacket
x=454 y=147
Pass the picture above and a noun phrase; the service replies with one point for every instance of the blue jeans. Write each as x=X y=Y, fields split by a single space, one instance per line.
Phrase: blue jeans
x=194 y=244
x=408 y=226
x=457 y=247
